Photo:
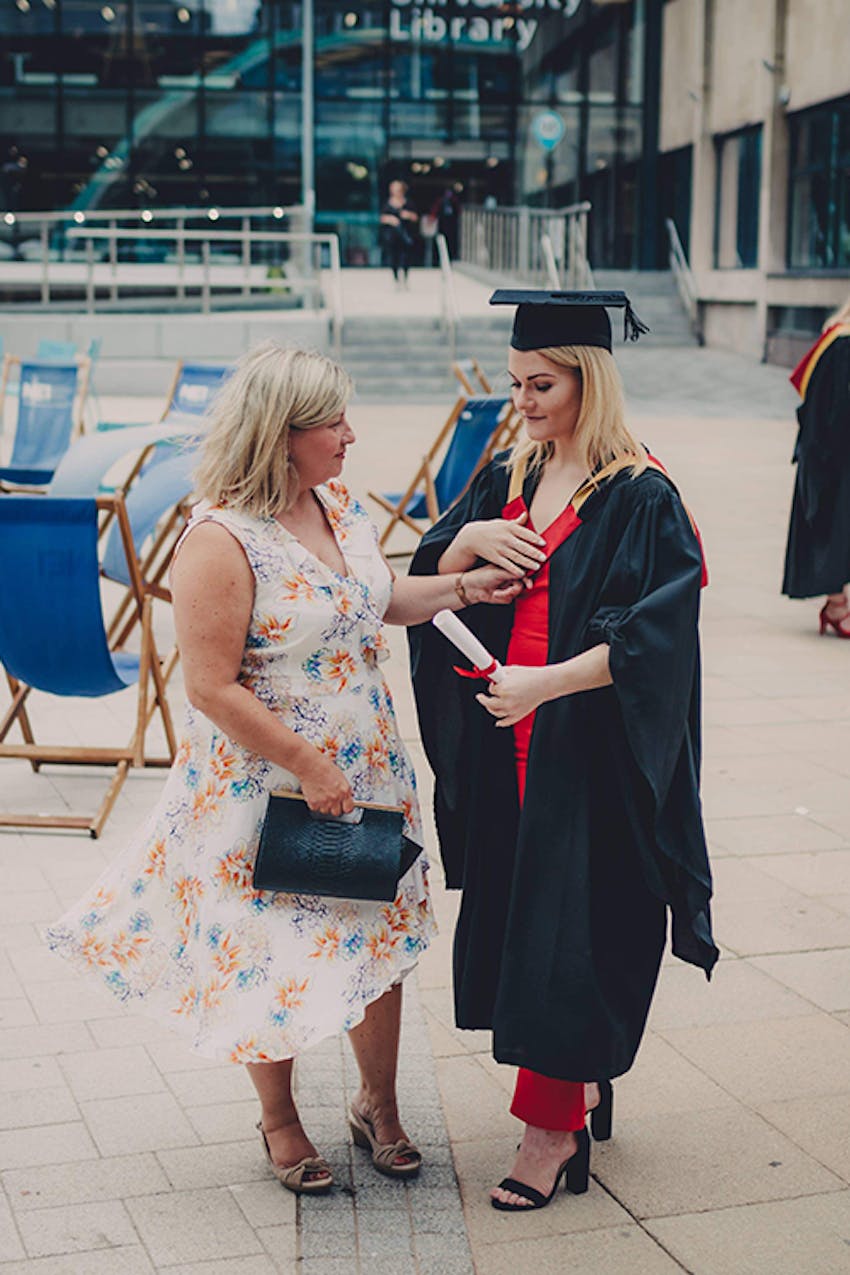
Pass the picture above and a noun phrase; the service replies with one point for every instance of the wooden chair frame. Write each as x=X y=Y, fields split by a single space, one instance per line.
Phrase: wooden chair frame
x=502 y=436
x=479 y=374
x=151 y=697
x=152 y=568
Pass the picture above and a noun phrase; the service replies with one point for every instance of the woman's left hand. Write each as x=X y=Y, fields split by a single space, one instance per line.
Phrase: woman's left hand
x=519 y=692
x=492 y=584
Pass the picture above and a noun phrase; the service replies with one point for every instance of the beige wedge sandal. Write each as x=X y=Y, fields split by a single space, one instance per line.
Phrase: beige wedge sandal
x=292 y=1176
x=385 y=1154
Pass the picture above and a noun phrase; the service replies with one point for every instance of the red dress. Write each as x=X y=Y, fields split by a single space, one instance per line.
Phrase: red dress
x=539 y=1100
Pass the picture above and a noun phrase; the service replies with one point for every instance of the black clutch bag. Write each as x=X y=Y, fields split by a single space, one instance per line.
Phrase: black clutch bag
x=357 y=856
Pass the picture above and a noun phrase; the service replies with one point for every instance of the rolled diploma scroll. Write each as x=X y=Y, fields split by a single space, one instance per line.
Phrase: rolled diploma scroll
x=467 y=643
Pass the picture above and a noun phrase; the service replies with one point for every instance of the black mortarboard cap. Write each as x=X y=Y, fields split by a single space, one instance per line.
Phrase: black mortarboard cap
x=546 y=319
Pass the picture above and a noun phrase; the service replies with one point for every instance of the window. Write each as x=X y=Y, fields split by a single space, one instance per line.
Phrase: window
x=736 y=210
x=819 y=199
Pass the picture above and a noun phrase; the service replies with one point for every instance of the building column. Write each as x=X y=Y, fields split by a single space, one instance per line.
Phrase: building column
x=648 y=186
x=773 y=195
x=703 y=178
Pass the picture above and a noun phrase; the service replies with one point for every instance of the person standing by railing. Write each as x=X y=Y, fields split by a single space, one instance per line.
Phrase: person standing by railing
x=398 y=223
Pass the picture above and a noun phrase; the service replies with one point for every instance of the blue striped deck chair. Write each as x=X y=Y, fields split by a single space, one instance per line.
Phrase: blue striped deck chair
x=474 y=429
x=53 y=640
x=51 y=400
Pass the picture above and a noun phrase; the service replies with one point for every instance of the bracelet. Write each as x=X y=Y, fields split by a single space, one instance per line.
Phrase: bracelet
x=460 y=591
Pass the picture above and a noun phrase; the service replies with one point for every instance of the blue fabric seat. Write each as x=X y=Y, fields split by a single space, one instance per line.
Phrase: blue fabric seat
x=475 y=428
x=53 y=639
x=87 y=462
x=46 y=420
x=192 y=391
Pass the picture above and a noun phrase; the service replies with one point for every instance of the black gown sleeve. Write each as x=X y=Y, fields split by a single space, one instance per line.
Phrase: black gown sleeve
x=648 y=614
x=823 y=442
x=442 y=698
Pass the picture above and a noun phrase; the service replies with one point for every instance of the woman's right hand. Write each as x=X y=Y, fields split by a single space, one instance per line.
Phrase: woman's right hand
x=506 y=542
x=325 y=788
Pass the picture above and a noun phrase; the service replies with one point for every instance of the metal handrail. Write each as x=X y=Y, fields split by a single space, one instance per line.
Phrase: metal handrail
x=548 y=253
x=149 y=215
x=449 y=296
x=510 y=241
x=684 y=278
x=246 y=237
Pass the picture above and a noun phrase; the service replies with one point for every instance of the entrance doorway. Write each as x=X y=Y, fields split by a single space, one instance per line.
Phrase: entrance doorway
x=438 y=188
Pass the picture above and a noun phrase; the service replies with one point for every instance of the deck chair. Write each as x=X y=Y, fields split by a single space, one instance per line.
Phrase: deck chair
x=157 y=509
x=155 y=492
x=51 y=402
x=472 y=377
x=475 y=429
x=192 y=390
x=89 y=459
x=52 y=639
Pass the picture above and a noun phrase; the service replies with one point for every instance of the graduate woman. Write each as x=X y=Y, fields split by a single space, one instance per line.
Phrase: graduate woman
x=817 y=560
x=567 y=796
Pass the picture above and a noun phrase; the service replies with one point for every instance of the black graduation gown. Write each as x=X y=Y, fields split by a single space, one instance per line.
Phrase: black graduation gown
x=563 y=918
x=817 y=559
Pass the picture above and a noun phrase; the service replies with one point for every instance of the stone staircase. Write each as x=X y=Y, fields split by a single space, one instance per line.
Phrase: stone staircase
x=655 y=299
x=407 y=358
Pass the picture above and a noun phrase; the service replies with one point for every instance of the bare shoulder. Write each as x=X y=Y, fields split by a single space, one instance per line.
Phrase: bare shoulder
x=210 y=557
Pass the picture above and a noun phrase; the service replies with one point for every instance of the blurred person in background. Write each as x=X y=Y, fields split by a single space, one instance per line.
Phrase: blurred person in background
x=398 y=232
x=817 y=558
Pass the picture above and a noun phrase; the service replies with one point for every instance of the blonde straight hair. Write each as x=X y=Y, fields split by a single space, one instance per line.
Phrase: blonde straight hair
x=842 y=315
x=245 y=460
x=601 y=432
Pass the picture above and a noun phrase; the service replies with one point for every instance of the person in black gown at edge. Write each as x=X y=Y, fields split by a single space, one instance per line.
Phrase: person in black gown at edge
x=567 y=795
x=817 y=559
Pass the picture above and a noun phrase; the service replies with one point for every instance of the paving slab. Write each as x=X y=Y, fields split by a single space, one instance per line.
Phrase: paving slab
x=705 y=1160
x=807 y=1235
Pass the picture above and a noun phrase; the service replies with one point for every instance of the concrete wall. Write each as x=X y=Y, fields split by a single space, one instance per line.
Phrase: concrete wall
x=733 y=326
x=138 y=351
x=681 y=72
x=818 y=51
x=742 y=38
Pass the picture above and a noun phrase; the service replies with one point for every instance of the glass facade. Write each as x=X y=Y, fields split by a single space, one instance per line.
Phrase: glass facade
x=166 y=103
x=819 y=221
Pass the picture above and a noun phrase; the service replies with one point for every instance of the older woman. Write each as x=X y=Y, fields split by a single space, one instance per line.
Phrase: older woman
x=280 y=594
x=567 y=796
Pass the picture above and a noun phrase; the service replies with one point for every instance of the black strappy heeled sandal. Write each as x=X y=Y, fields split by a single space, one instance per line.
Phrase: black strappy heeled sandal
x=602 y=1116
x=576 y=1171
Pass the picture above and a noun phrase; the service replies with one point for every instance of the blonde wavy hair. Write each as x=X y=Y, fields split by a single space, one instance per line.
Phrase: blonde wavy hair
x=601 y=432
x=245 y=460
x=842 y=315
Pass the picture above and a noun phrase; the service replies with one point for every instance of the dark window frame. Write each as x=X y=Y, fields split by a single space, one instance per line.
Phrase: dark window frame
x=834 y=168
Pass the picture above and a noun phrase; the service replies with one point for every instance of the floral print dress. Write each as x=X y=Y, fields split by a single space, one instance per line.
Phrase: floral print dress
x=174 y=925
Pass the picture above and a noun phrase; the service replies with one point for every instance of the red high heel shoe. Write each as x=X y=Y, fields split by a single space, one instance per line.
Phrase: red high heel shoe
x=827 y=621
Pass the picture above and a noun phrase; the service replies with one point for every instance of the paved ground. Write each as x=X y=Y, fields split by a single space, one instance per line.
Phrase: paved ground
x=120 y=1153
